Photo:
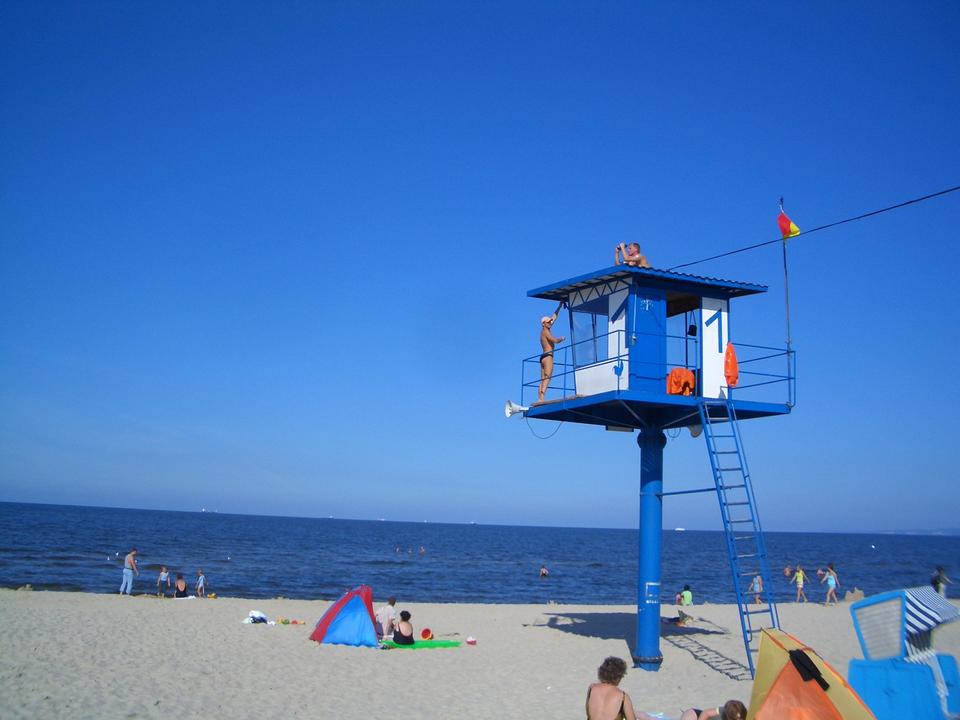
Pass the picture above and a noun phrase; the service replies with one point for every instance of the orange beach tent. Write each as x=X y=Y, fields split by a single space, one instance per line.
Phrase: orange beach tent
x=794 y=683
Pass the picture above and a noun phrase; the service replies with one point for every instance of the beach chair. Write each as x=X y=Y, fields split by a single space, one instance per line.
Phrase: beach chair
x=901 y=676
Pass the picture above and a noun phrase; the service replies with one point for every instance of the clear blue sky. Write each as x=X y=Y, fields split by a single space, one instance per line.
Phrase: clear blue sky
x=272 y=258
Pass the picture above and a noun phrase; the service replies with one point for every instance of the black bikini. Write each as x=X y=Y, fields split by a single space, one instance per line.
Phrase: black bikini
x=401 y=639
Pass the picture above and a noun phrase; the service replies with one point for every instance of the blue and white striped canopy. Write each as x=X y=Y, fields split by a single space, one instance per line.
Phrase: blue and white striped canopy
x=926 y=609
x=900 y=623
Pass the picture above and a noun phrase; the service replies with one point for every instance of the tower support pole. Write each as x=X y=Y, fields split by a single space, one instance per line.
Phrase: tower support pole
x=647 y=653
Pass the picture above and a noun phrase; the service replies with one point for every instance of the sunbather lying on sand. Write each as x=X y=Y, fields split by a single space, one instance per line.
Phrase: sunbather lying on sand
x=732 y=710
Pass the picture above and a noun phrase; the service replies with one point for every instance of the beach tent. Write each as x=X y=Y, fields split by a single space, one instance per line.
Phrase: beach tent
x=794 y=683
x=901 y=675
x=349 y=621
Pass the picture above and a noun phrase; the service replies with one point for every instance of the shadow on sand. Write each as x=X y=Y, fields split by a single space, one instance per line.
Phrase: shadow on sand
x=622 y=626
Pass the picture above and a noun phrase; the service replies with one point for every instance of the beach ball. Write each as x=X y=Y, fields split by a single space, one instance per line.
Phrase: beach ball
x=426 y=634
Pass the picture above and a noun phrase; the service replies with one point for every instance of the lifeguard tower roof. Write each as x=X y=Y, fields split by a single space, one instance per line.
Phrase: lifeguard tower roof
x=679 y=286
x=646 y=346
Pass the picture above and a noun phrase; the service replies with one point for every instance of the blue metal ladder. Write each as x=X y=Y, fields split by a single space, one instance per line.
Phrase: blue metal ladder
x=741 y=524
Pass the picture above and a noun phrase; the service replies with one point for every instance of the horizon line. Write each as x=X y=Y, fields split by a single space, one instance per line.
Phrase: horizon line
x=936 y=532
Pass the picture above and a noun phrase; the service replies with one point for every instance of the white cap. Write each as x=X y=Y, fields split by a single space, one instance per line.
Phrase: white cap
x=545 y=319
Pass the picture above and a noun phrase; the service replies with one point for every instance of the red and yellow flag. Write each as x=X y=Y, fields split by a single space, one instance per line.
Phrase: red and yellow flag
x=787 y=228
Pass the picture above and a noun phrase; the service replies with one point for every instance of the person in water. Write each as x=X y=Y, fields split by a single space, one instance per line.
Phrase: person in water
x=180 y=587
x=732 y=710
x=605 y=700
x=547 y=342
x=833 y=582
x=799 y=577
x=403 y=634
x=543 y=571
x=631 y=255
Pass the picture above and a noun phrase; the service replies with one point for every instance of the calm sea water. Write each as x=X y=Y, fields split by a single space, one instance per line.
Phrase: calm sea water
x=55 y=547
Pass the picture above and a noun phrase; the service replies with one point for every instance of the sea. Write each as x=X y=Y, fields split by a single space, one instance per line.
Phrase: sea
x=70 y=548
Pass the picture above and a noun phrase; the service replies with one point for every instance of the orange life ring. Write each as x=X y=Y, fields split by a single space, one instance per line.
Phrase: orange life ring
x=681 y=381
x=731 y=371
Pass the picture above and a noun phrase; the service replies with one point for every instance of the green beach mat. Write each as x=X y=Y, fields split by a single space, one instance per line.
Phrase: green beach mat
x=423 y=644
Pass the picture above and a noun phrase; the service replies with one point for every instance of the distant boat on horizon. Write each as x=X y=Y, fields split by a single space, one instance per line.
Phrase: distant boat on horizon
x=679 y=529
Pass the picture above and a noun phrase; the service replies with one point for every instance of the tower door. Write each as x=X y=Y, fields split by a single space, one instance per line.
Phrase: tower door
x=715 y=333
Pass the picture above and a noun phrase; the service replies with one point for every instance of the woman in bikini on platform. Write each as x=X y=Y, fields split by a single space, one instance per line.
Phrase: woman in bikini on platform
x=548 y=342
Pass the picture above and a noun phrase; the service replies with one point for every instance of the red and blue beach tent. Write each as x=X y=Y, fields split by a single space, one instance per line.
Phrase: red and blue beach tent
x=349 y=621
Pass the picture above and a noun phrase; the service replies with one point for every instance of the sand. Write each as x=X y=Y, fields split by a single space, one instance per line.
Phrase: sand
x=82 y=655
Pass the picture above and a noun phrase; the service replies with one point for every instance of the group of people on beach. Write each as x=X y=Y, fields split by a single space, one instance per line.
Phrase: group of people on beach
x=392 y=626
x=179 y=586
x=606 y=701
x=799 y=577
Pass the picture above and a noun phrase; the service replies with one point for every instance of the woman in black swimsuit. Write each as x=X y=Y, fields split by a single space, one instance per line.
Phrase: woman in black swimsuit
x=180 y=587
x=606 y=701
x=403 y=635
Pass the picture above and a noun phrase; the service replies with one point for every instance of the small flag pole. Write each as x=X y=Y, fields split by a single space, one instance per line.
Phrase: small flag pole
x=786 y=297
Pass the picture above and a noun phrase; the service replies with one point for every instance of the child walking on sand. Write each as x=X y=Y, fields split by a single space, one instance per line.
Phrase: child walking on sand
x=163 y=577
x=201 y=583
x=833 y=582
x=799 y=577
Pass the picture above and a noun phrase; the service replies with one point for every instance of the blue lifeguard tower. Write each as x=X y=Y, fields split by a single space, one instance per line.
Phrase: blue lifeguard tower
x=649 y=351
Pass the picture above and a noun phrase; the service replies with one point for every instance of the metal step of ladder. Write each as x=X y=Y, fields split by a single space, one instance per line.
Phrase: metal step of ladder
x=741 y=524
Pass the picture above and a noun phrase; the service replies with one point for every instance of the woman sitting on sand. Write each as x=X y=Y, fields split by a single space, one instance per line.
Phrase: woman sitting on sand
x=180 y=587
x=403 y=635
x=605 y=701
x=732 y=710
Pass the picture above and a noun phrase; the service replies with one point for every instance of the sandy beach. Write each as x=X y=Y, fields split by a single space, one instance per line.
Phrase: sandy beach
x=83 y=655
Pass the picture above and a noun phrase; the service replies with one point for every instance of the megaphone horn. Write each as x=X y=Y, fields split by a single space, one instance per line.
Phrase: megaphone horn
x=511 y=408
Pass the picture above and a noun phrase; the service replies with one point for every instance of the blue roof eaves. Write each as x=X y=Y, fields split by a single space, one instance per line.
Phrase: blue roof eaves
x=733 y=287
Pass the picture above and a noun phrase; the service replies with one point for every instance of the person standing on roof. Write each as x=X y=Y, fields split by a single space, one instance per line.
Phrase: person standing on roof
x=548 y=342
x=631 y=255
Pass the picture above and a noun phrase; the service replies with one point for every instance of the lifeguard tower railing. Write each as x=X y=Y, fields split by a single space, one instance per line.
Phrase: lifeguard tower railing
x=767 y=374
